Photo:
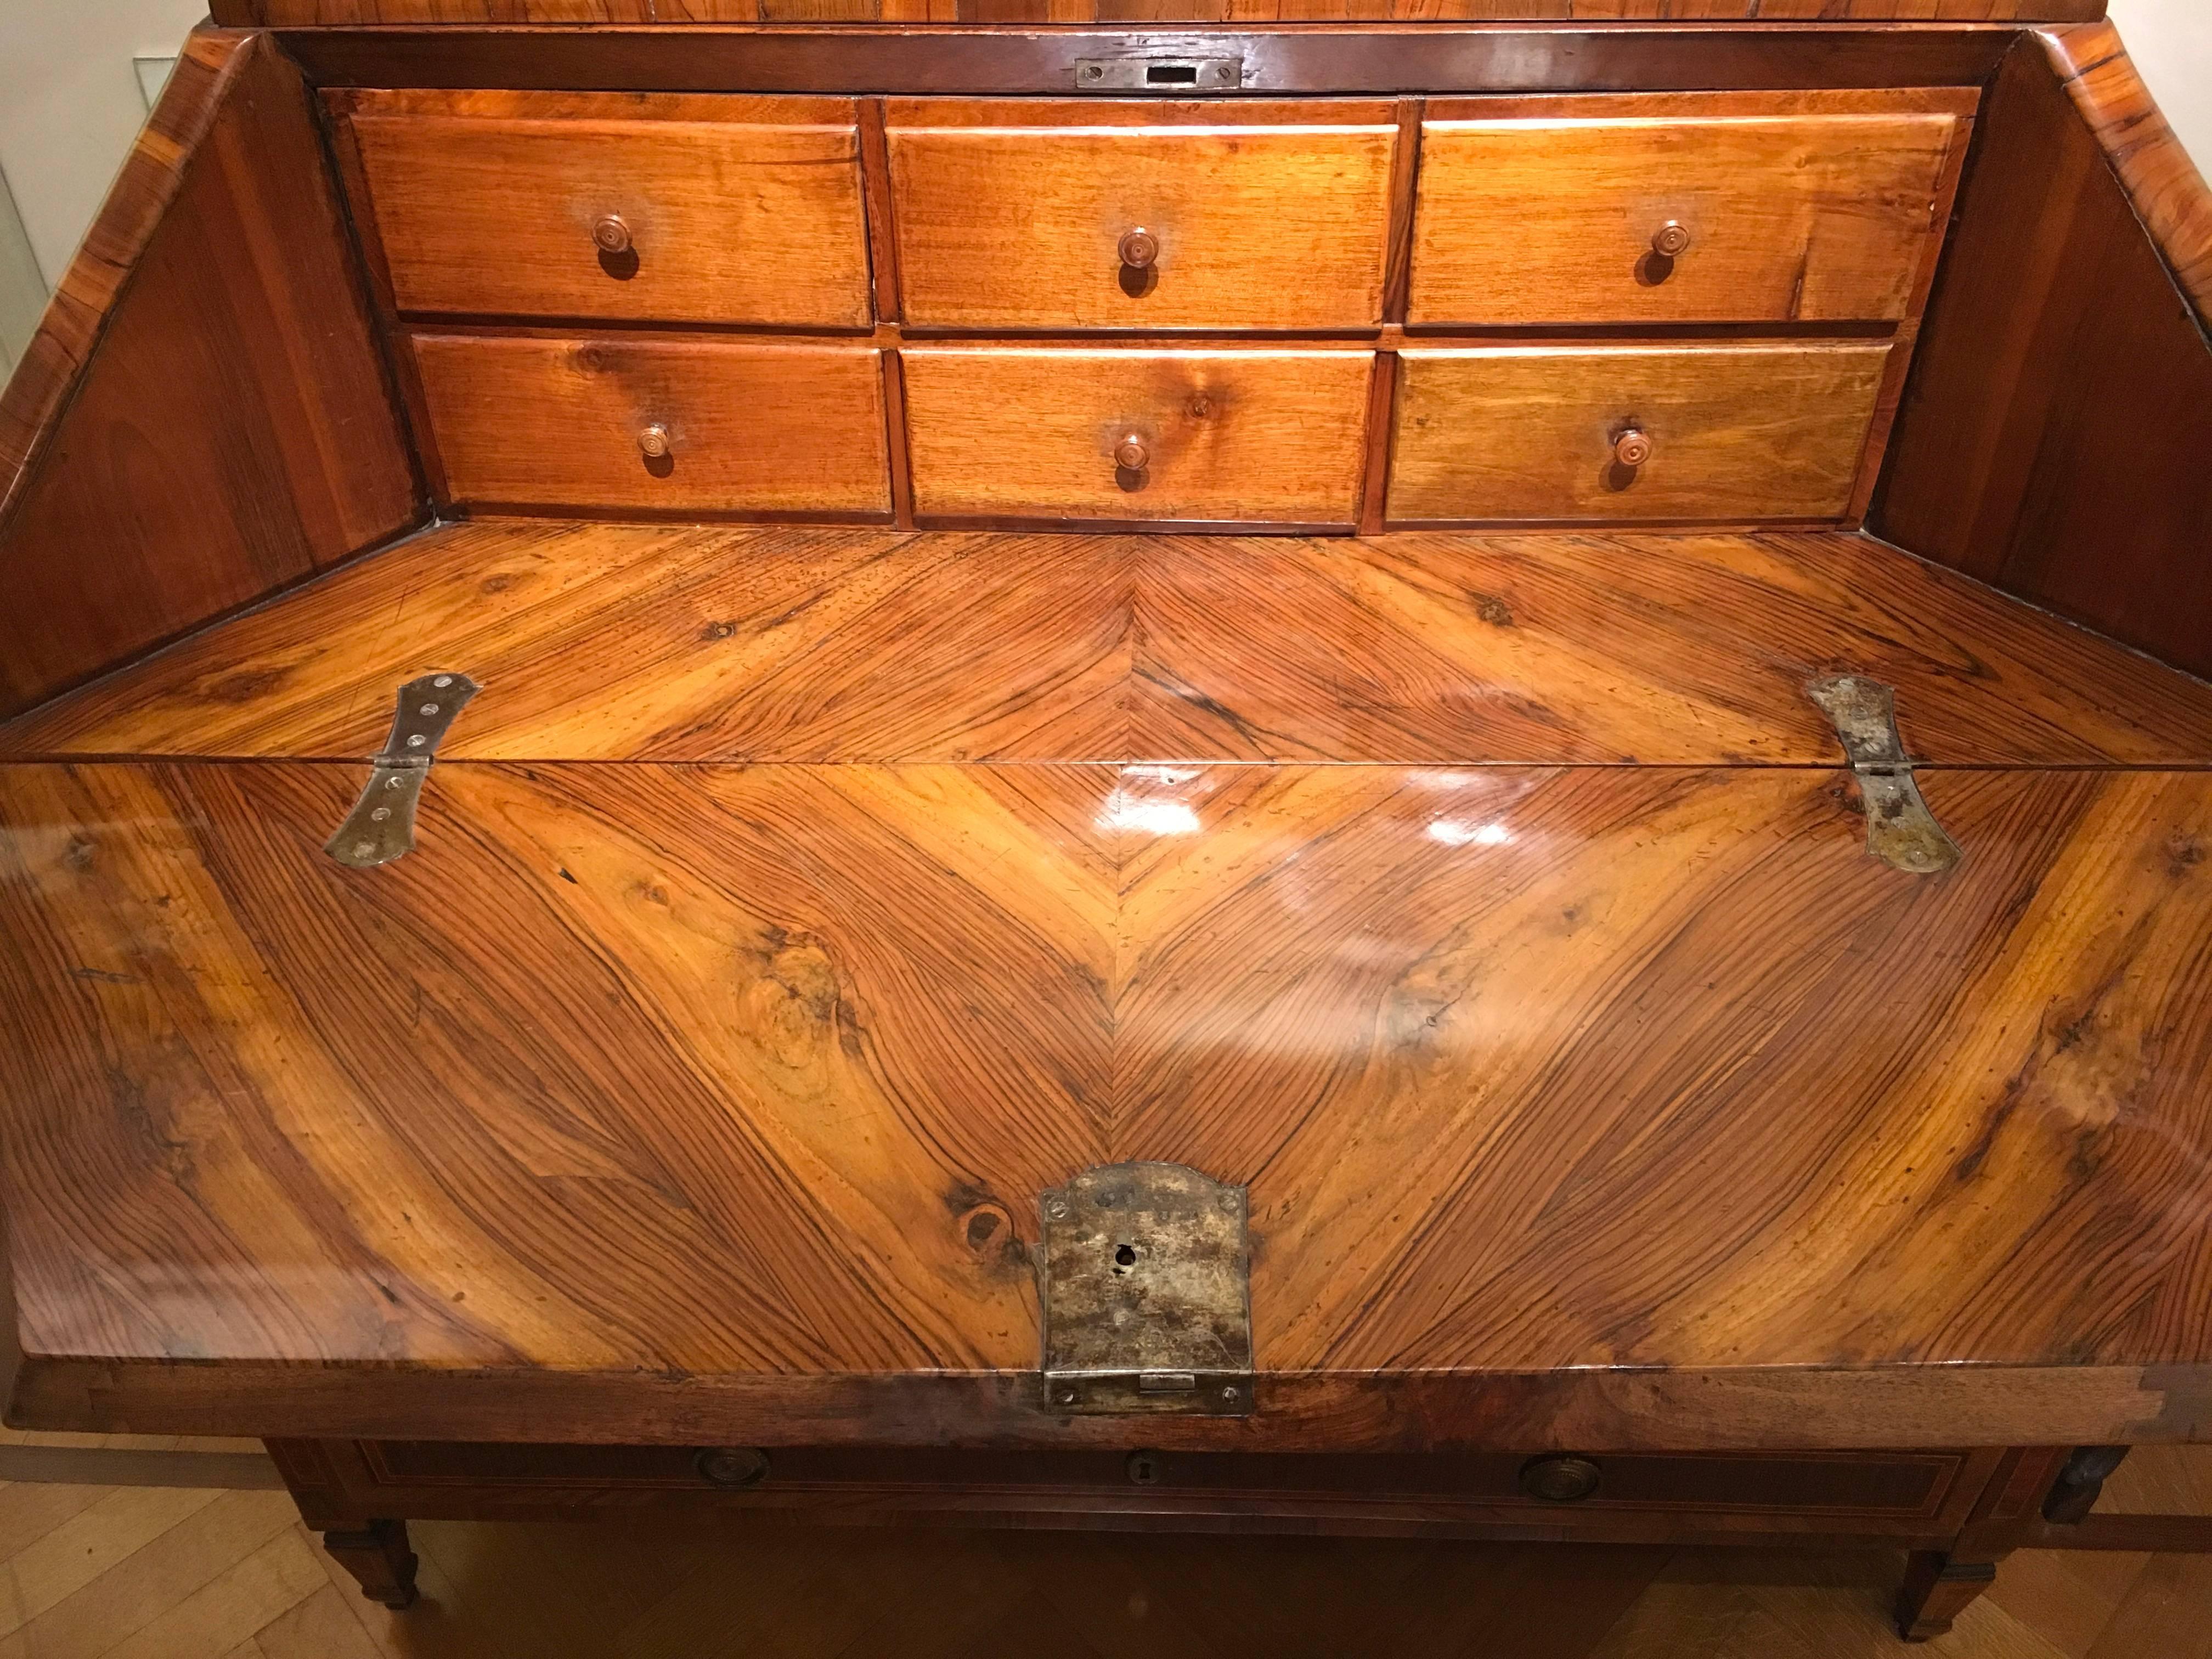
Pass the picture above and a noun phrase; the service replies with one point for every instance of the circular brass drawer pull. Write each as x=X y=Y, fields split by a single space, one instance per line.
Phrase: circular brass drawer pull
x=612 y=233
x=1140 y=248
x=732 y=1466
x=1559 y=1480
x=655 y=440
x=1132 y=454
x=1671 y=241
x=1632 y=448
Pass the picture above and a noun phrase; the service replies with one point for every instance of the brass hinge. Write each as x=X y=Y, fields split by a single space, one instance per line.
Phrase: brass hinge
x=1146 y=1294
x=381 y=826
x=1901 y=830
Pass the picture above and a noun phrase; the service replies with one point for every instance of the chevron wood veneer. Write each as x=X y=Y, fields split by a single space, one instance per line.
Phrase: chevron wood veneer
x=682 y=1096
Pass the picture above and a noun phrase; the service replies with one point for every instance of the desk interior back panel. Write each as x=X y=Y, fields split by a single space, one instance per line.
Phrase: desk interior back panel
x=2054 y=437
x=233 y=430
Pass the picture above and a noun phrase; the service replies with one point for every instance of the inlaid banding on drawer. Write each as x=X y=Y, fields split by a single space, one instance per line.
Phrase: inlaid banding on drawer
x=657 y=425
x=659 y=207
x=1056 y=216
x=1719 y=209
x=1214 y=436
x=1654 y=432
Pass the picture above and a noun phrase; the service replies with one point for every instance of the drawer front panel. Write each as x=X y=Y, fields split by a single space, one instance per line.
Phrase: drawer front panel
x=664 y=210
x=657 y=425
x=1141 y=227
x=1869 y=1489
x=1675 y=219
x=1728 y=432
x=1264 y=436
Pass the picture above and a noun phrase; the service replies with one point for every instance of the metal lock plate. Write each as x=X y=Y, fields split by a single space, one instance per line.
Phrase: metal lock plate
x=1158 y=74
x=1145 y=1288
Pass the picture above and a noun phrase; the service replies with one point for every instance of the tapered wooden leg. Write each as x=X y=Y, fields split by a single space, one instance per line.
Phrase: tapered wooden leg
x=1938 y=1588
x=378 y=1555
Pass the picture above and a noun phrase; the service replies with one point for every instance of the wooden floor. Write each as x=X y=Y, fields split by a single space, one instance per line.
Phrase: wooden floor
x=150 y=1573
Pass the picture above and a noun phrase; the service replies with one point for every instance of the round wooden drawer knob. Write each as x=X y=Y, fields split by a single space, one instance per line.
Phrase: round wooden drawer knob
x=655 y=441
x=1671 y=241
x=732 y=1466
x=1632 y=448
x=1559 y=1480
x=1138 y=249
x=612 y=233
x=1132 y=454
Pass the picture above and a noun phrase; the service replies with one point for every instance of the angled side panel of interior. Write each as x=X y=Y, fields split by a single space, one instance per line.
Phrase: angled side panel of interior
x=2054 y=435
x=204 y=416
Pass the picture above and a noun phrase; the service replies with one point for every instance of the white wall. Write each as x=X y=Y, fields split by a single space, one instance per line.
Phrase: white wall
x=71 y=104
x=2171 y=41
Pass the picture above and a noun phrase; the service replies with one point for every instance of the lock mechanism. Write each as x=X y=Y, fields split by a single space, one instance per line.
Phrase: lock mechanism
x=1146 y=1286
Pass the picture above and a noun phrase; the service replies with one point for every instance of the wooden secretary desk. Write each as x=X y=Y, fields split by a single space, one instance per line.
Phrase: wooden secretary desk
x=1440 y=775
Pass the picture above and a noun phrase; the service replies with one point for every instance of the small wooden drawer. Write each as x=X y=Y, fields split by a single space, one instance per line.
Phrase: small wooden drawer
x=1707 y=208
x=696 y=426
x=1693 y=433
x=1896 y=1494
x=1140 y=216
x=1198 y=435
x=659 y=207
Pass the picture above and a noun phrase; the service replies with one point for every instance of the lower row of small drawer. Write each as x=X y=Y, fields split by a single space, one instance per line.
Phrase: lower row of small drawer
x=1278 y=436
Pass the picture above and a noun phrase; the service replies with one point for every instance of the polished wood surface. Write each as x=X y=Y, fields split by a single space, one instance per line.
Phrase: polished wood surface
x=1778 y=206
x=726 y=209
x=293 y=13
x=2052 y=438
x=2161 y=178
x=1022 y=214
x=615 y=642
x=1540 y=1046
x=232 y=429
x=644 y=424
x=713 y=1070
x=1770 y=430
x=1035 y=433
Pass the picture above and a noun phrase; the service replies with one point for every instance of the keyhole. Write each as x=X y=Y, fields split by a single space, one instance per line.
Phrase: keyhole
x=1124 y=1257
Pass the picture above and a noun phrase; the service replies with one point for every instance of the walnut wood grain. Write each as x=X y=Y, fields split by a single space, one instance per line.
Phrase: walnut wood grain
x=731 y=210
x=714 y=426
x=1731 y=431
x=2052 y=437
x=698 y=1072
x=298 y=13
x=205 y=417
x=1788 y=207
x=1227 y=434
x=2160 y=178
x=612 y=642
x=1012 y=214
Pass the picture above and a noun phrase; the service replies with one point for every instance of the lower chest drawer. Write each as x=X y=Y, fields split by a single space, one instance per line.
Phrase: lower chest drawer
x=1681 y=432
x=657 y=425
x=1878 y=1493
x=1264 y=436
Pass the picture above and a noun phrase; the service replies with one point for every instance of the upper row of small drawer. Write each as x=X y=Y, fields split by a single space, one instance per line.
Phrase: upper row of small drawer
x=1059 y=215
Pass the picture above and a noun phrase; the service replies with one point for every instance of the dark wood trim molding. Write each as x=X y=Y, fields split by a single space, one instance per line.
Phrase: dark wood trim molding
x=1438 y=58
